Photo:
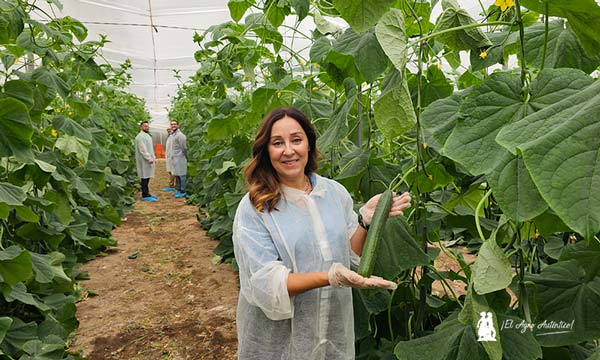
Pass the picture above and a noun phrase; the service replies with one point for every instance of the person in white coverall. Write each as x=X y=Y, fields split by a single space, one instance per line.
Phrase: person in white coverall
x=145 y=159
x=295 y=237
x=178 y=158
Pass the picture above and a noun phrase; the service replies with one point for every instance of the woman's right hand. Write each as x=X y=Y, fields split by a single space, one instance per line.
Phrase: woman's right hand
x=340 y=276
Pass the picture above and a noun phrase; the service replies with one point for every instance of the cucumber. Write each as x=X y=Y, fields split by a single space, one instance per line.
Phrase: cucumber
x=367 y=260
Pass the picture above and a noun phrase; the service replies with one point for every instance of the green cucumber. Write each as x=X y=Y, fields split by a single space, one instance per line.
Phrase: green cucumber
x=367 y=260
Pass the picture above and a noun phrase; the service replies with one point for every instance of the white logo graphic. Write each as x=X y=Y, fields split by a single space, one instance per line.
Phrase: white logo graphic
x=485 y=327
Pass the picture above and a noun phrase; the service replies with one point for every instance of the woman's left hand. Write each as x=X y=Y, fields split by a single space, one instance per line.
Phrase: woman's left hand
x=399 y=204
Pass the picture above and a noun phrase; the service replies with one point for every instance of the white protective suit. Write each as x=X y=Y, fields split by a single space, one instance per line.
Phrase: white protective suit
x=144 y=153
x=178 y=154
x=306 y=233
x=168 y=146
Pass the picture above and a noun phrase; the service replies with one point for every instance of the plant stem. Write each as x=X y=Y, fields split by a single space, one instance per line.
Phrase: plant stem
x=522 y=40
x=546 y=26
x=464 y=27
x=523 y=298
x=477 y=210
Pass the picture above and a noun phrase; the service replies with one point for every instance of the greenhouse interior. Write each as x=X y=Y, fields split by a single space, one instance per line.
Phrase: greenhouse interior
x=300 y=179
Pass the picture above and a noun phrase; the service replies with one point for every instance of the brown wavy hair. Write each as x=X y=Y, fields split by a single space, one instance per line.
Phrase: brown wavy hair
x=263 y=183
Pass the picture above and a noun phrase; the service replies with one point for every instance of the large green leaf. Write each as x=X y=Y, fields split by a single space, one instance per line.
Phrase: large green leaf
x=518 y=343
x=353 y=163
x=583 y=17
x=62 y=209
x=237 y=8
x=11 y=195
x=11 y=22
x=560 y=149
x=26 y=214
x=452 y=340
x=38 y=350
x=492 y=270
x=398 y=249
x=221 y=127
x=319 y=49
x=563 y=50
x=497 y=102
x=595 y=356
x=475 y=310
x=19 y=292
x=71 y=145
x=394 y=112
x=88 y=70
x=48 y=267
x=362 y=14
x=324 y=26
x=15 y=265
x=391 y=34
x=276 y=11
x=363 y=50
x=50 y=79
x=339 y=122
x=18 y=334
x=21 y=90
x=514 y=189
x=439 y=119
x=301 y=7
x=418 y=16
x=453 y=16
x=15 y=129
x=5 y=323
x=437 y=177
x=434 y=86
x=489 y=106
x=569 y=292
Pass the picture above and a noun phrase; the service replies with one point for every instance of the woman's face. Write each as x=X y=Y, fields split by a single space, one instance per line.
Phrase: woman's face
x=288 y=151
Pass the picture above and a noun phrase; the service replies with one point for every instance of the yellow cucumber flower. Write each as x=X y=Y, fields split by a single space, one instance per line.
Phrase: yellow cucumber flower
x=483 y=55
x=53 y=133
x=504 y=4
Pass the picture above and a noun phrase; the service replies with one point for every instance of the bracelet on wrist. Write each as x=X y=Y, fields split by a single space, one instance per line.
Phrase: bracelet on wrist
x=361 y=222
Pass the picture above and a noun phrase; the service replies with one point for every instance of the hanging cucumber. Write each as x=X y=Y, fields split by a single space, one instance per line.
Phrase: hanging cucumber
x=367 y=260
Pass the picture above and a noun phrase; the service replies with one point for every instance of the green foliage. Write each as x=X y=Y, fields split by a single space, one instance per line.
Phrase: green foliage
x=583 y=16
x=362 y=14
x=66 y=173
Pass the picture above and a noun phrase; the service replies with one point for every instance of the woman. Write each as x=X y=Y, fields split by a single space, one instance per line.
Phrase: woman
x=295 y=235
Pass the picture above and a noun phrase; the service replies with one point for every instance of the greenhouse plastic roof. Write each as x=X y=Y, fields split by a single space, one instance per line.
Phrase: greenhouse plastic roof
x=157 y=37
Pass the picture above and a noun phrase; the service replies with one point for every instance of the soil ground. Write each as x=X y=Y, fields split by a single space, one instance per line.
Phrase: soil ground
x=168 y=302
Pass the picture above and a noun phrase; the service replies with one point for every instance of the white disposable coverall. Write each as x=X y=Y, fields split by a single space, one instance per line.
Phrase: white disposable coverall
x=306 y=233
x=144 y=153
x=178 y=154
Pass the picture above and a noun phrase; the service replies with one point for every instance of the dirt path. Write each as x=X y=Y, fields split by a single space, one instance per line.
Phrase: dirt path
x=171 y=301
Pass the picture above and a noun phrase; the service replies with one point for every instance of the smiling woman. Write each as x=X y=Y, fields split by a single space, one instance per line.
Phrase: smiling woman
x=295 y=236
